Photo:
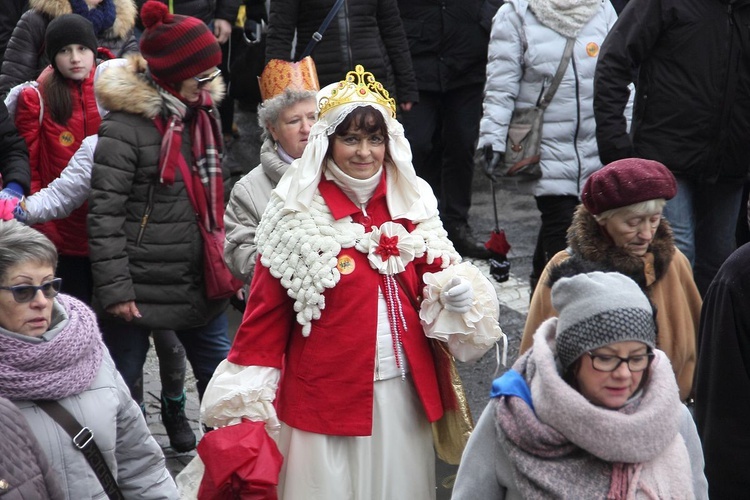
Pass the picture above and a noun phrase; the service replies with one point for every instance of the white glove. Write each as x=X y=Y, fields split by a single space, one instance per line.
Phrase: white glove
x=457 y=296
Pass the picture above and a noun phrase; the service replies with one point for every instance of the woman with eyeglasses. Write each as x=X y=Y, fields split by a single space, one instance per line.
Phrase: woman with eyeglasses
x=147 y=248
x=619 y=227
x=51 y=349
x=591 y=410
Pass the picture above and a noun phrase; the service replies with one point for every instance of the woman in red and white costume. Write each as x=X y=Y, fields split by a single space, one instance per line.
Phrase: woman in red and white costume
x=350 y=239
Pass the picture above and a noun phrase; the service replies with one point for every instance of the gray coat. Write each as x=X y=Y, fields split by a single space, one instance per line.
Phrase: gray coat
x=158 y=264
x=523 y=54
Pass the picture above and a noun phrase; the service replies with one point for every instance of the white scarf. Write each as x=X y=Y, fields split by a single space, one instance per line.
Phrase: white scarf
x=566 y=17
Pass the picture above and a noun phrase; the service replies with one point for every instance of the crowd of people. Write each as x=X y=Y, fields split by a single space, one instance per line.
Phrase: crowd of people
x=346 y=245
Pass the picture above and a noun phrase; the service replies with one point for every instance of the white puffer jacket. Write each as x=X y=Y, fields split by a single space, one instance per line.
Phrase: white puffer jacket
x=522 y=54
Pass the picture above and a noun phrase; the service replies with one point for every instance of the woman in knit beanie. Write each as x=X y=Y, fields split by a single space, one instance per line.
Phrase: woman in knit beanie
x=51 y=351
x=590 y=411
x=113 y=22
x=156 y=189
x=619 y=227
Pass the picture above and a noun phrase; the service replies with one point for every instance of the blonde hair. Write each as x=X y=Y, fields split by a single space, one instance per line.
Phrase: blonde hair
x=643 y=207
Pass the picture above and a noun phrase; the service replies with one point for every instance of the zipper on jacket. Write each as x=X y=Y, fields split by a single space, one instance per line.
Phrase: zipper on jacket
x=578 y=125
x=146 y=214
x=345 y=36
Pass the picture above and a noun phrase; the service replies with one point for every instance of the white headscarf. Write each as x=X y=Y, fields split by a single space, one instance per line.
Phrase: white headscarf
x=407 y=195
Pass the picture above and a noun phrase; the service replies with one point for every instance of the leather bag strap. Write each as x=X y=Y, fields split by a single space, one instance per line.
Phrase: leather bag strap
x=567 y=54
x=318 y=35
x=83 y=439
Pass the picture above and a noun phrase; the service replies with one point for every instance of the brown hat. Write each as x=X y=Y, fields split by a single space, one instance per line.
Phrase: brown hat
x=176 y=47
x=626 y=182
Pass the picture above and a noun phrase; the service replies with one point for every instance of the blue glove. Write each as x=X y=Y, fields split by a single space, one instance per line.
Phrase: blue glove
x=20 y=213
x=11 y=190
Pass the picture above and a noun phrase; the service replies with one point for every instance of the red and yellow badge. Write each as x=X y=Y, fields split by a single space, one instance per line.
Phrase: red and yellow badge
x=592 y=49
x=66 y=138
x=345 y=265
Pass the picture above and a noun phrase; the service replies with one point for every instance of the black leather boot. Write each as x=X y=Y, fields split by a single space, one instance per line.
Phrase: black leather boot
x=465 y=243
x=181 y=437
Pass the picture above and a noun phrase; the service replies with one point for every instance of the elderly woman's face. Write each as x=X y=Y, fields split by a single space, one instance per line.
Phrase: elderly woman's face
x=611 y=389
x=632 y=231
x=292 y=128
x=28 y=318
x=358 y=153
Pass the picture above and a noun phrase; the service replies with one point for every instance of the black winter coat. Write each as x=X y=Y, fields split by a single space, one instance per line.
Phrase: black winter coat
x=722 y=405
x=14 y=157
x=447 y=45
x=692 y=104
x=9 y=16
x=366 y=32
x=205 y=10
x=24 y=469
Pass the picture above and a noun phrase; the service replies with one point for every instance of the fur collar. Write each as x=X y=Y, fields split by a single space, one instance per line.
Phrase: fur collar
x=127 y=88
x=124 y=22
x=588 y=241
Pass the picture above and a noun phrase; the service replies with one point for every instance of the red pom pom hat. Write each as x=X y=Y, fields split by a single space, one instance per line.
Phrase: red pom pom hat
x=176 y=47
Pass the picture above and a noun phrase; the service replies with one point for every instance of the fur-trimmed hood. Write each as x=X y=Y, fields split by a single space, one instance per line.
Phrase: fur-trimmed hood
x=587 y=240
x=126 y=12
x=127 y=88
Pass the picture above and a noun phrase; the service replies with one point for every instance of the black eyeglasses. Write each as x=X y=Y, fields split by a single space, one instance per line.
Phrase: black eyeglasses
x=26 y=293
x=207 y=79
x=610 y=363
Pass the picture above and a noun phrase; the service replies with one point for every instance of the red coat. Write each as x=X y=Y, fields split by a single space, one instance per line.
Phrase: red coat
x=51 y=145
x=327 y=381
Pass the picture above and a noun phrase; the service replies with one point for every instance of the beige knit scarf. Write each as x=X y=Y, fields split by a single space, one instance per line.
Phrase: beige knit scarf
x=566 y=17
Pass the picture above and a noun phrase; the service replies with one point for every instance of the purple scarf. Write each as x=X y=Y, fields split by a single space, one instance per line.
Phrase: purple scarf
x=64 y=366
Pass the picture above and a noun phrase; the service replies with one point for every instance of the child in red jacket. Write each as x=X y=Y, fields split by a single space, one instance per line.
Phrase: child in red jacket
x=54 y=118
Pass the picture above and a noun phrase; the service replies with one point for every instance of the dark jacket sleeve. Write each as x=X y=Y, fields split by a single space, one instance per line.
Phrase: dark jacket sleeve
x=282 y=22
x=394 y=37
x=9 y=16
x=14 y=158
x=227 y=10
x=722 y=405
x=628 y=44
x=24 y=60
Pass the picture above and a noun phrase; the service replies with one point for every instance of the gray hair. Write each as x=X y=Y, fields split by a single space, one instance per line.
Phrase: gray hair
x=643 y=207
x=270 y=109
x=20 y=244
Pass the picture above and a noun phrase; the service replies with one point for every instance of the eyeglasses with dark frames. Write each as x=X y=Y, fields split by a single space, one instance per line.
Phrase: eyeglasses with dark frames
x=26 y=293
x=207 y=79
x=610 y=362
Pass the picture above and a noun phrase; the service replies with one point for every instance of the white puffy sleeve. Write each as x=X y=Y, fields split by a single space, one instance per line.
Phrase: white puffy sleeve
x=236 y=392
x=468 y=335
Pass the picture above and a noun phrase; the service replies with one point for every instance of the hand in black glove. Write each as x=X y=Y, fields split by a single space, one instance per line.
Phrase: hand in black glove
x=489 y=160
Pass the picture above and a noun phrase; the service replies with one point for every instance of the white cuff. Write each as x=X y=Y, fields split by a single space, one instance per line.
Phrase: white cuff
x=236 y=392
x=468 y=335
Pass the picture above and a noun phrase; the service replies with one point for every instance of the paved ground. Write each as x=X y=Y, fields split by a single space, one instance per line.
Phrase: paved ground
x=519 y=219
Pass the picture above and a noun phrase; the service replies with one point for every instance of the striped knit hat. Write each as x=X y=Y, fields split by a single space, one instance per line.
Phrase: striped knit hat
x=598 y=309
x=176 y=47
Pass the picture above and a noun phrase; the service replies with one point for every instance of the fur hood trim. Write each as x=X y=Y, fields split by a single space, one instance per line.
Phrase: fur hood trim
x=127 y=88
x=587 y=240
x=126 y=12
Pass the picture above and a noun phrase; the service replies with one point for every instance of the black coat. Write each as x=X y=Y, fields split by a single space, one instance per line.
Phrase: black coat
x=447 y=45
x=205 y=10
x=14 y=157
x=692 y=105
x=722 y=397
x=9 y=16
x=366 y=32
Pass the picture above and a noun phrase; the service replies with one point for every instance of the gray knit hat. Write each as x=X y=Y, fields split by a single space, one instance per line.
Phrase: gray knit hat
x=597 y=309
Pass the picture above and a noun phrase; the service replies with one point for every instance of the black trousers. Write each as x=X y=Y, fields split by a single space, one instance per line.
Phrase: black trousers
x=557 y=214
x=442 y=130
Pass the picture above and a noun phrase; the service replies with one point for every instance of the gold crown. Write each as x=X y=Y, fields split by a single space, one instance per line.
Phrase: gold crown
x=279 y=75
x=358 y=86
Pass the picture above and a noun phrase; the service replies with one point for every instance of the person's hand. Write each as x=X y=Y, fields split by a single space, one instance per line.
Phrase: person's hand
x=406 y=106
x=8 y=207
x=222 y=30
x=124 y=310
x=488 y=160
x=457 y=296
x=20 y=213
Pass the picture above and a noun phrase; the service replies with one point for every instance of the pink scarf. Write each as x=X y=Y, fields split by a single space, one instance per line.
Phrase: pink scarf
x=62 y=367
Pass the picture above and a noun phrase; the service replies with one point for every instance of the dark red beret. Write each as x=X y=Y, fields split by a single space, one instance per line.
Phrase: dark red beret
x=626 y=182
